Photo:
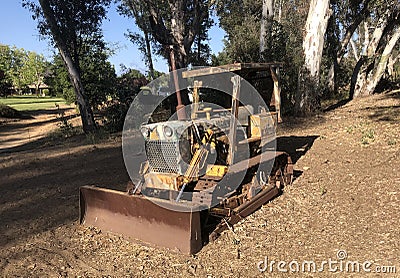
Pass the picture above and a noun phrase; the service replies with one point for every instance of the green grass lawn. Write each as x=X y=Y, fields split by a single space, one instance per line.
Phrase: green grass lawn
x=29 y=103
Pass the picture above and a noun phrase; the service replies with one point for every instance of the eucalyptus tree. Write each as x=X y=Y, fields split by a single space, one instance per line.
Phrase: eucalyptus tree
x=72 y=26
x=241 y=21
x=267 y=18
x=137 y=11
x=381 y=37
x=308 y=90
x=174 y=25
x=347 y=16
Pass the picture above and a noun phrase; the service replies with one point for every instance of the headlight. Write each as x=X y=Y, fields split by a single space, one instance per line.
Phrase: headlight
x=145 y=131
x=168 y=131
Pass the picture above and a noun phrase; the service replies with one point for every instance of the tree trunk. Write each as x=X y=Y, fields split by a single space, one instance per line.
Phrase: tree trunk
x=85 y=110
x=332 y=78
x=354 y=48
x=366 y=38
x=392 y=61
x=380 y=70
x=178 y=31
x=280 y=11
x=333 y=52
x=149 y=55
x=350 y=31
x=138 y=12
x=307 y=97
x=366 y=63
x=266 y=27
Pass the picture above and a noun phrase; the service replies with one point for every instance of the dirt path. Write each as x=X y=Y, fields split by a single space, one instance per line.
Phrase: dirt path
x=15 y=133
x=345 y=198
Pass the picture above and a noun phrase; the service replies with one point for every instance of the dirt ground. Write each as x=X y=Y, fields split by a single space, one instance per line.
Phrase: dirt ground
x=343 y=206
x=33 y=126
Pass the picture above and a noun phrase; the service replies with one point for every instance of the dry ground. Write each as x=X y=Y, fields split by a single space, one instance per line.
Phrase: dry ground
x=346 y=197
x=17 y=133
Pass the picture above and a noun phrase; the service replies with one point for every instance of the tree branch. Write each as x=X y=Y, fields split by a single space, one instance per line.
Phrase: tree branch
x=160 y=32
x=351 y=29
x=200 y=14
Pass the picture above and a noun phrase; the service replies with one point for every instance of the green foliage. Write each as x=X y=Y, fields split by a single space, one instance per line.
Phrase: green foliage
x=34 y=70
x=144 y=42
x=182 y=24
x=98 y=78
x=129 y=84
x=79 y=23
x=59 y=80
x=241 y=21
x=200 y=54
x=127 y=87
x=66 y=128
x=6 y=64
x=222 y=58
x=21 y=68
x=74 y=27
x=391 y=142
x=368 y=136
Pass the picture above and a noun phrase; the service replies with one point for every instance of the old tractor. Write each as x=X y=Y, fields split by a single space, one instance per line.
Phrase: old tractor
x=206 y=168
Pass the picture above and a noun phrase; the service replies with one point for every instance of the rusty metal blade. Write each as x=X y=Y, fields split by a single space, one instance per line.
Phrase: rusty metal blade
x=141 y=219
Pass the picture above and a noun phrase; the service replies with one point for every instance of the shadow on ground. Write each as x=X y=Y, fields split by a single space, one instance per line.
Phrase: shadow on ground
x=384 y=113
x=41 y=193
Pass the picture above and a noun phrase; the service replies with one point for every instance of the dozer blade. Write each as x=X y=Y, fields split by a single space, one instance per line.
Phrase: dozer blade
x=141 y=218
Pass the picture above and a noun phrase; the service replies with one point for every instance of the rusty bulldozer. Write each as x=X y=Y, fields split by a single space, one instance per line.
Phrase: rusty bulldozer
x=203 y=172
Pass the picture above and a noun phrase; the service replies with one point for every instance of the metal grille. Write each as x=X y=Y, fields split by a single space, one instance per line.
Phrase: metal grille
x=162 y=156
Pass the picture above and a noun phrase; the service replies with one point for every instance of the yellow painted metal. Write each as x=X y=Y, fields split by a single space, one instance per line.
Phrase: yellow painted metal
x=216 y=170
x=166 y=181
x=192 y=172
x=262 y=124
x=154 y=135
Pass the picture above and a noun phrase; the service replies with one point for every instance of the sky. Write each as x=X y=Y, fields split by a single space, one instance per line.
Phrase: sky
x=18 y=28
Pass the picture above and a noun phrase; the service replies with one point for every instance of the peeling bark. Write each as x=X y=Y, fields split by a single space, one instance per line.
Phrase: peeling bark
x=392 y=61
x=354 y=48
x=347 y=38
x=350 y=31
x=266 y=26
x=307 y=97
x=380 y=70
x=366 y=38
x=366 y=63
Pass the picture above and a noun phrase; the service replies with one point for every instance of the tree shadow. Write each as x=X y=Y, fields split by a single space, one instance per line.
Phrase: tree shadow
x=14 y=125
x=46 y=195
x=55 y=111
x=20 y=135
x=384 y=113
x=394 y=94
x=40 y=142
x=337 y=105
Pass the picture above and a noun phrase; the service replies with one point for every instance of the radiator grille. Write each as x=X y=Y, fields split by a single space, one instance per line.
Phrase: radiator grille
x=163 y=156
